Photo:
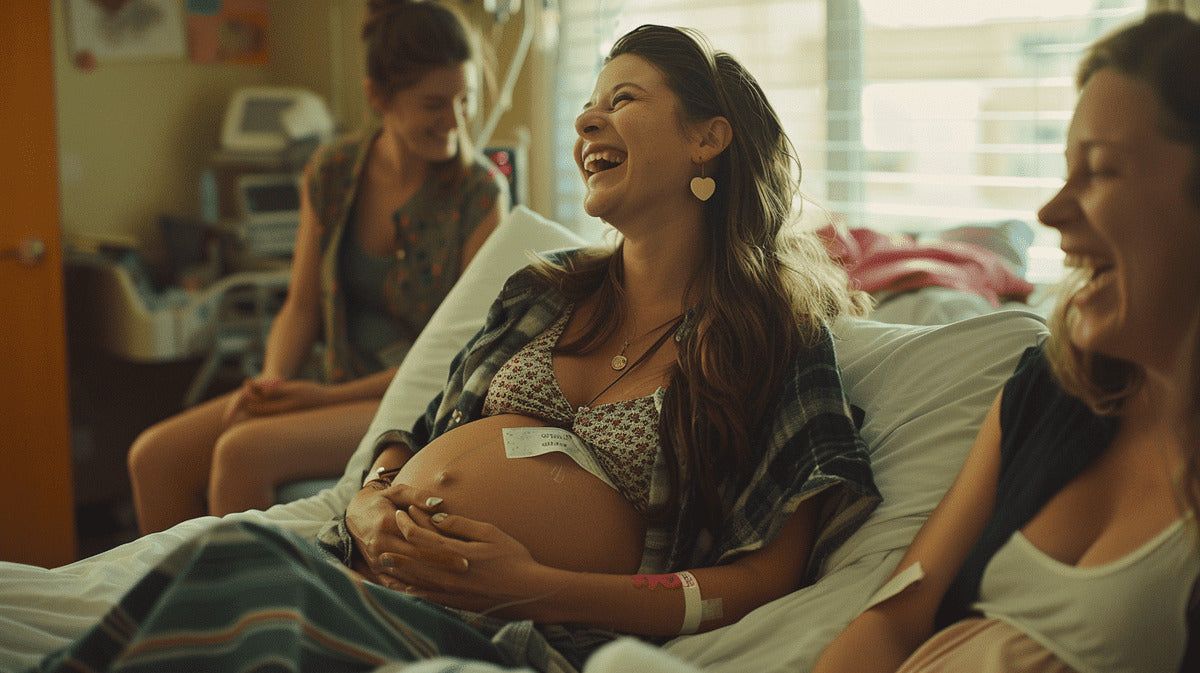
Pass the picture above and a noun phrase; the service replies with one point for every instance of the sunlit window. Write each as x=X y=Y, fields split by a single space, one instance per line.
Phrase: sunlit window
x=909 y=115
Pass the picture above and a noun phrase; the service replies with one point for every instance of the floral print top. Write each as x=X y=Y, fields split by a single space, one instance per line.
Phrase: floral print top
x=430 y=231
x=622 y=436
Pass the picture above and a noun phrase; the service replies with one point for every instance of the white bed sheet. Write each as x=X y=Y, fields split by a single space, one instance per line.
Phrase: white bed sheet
x=924 y=390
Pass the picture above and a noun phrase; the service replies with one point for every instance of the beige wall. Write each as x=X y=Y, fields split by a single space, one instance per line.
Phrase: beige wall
x=134 y=137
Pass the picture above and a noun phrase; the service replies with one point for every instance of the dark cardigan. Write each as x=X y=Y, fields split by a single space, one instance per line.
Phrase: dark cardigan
x=1036 y=415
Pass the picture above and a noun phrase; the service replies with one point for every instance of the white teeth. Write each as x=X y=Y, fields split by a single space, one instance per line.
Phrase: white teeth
x=1093 y=266
x=1079 y=261
x=591 y=162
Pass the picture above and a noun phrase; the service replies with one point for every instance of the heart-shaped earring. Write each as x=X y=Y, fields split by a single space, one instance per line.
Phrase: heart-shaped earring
x=702 y=187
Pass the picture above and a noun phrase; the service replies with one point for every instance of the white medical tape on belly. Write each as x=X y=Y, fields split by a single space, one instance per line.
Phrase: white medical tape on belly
x=691 y=603
x=529 y=441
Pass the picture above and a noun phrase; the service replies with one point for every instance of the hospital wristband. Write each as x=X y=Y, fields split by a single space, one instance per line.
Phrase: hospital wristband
x=691 y=603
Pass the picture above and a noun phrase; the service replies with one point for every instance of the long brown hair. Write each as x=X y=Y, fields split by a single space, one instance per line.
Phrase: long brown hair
x=765 y=289
x=1162 y=50
x=406 y=40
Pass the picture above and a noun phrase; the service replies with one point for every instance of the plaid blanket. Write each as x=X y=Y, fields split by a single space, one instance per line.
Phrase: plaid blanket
x=245 y=597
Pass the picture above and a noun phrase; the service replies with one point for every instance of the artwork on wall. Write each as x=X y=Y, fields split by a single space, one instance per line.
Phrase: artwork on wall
x=125 y=29
x=227 y=31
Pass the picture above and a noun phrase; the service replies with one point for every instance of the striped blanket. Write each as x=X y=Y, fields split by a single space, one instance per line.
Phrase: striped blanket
x=245 y=597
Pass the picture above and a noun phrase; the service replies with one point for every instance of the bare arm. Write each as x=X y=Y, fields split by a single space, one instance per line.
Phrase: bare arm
x=484 y=229
x=881 y=638
x=298 y=323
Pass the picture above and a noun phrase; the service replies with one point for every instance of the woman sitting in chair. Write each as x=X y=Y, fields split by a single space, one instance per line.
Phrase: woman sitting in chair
x=389 y=218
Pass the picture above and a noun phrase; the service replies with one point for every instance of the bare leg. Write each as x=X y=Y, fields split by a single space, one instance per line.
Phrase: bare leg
x=255 y=456
x=169 y=464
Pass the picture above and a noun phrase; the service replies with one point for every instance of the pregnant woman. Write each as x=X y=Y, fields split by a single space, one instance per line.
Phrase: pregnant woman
x=690 y=367
x=649 y=439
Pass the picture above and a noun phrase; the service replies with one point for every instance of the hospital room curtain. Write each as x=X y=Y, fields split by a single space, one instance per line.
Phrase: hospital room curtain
x=908 y=115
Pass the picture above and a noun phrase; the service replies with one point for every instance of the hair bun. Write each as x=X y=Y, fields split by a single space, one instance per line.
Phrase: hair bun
x=377 y=7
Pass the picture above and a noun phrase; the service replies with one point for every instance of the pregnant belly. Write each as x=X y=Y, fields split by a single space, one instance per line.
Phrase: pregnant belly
x=564 y=515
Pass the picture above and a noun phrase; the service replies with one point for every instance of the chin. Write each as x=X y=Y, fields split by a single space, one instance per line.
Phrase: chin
x=441 y=157
x=594 y=207
x=437 y=152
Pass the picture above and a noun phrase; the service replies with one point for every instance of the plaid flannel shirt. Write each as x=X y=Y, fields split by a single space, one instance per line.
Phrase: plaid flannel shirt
x=811 y=445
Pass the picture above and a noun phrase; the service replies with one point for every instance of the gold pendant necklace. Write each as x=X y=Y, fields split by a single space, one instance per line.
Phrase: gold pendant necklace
x=619 y=360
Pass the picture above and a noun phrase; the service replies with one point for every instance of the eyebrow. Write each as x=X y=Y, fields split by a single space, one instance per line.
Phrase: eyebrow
x=1088 y=145
x=618 y=87
x=1099 y=142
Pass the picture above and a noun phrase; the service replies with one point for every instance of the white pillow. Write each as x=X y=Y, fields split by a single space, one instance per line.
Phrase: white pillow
x=925 y=391
x=427 y=366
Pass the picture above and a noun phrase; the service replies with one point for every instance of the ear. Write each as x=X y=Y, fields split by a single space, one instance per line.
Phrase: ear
x=714 y=135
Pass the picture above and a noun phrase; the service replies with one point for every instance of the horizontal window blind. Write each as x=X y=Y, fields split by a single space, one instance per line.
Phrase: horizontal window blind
x=908 y=115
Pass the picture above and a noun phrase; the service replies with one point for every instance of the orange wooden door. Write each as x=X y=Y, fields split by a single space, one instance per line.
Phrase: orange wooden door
x=36 y=496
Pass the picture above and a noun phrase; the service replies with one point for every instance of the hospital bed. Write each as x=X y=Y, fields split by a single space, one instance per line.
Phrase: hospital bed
x=924 y=391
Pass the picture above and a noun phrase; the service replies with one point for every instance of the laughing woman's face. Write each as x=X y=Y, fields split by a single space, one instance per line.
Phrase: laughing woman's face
x=1128 y=225
x=633 y=152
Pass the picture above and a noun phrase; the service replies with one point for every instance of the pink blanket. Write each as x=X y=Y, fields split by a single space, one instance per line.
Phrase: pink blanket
x=894 y=263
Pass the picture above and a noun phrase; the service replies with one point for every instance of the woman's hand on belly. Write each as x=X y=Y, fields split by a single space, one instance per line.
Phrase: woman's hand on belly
x=500 y=578
x=371 y=518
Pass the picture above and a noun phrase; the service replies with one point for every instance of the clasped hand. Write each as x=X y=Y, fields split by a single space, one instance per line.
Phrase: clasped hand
x=264 y=397
x=403 y=540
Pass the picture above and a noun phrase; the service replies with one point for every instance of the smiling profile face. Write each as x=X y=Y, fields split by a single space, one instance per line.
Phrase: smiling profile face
x=426 y=119
x=633 y=151
x=1128 y=225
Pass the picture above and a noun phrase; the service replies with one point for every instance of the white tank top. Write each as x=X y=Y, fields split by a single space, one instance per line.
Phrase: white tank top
x=1125 y=615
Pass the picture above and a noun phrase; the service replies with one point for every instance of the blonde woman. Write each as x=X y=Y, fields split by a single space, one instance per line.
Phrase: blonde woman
x=1069 y=540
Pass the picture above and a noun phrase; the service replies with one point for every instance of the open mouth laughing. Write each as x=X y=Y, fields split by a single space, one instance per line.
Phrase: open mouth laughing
x=1098 y=270
x=600 y=161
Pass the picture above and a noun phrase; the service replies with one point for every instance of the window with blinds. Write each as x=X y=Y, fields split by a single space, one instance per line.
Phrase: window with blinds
x=908 y=115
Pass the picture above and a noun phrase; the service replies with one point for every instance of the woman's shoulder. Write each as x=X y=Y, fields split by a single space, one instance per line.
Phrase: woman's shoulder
x=1038 y=416
x=534 y=275
x=1034 y=385
x=345 y=148
x=482 y=175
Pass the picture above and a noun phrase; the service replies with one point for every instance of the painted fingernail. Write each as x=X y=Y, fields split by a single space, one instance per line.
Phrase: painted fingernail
x=387 y=561
x=433 y=501
x=466 y=564
x=439 y=517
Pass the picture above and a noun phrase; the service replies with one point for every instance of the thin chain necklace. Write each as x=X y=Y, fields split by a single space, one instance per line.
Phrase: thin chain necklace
x=619 y=360
x=662 y=339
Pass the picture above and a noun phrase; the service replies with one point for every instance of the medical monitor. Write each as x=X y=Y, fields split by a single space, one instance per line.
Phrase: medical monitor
x=269 y=212
x=268 y=119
